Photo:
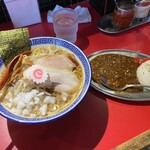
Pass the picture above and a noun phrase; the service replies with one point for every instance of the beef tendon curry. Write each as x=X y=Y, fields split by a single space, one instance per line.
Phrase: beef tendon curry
x=118 y=69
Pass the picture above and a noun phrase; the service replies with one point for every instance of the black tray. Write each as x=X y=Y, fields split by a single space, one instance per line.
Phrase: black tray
x=105 y=24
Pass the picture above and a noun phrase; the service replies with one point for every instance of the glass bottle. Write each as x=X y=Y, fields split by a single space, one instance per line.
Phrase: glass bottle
x=123 y=15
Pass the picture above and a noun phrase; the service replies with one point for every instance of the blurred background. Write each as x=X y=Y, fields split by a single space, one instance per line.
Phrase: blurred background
x=102 y=6
x=44 y=5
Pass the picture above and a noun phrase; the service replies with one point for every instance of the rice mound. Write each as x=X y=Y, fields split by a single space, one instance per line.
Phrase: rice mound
x=143 y=73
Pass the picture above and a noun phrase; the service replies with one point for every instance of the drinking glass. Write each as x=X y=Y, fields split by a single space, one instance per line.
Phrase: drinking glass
x=65 y=24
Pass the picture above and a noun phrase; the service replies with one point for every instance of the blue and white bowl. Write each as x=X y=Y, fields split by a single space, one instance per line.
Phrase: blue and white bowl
x=87 y=79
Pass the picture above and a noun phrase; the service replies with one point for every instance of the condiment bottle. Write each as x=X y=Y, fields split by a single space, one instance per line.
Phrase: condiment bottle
x=123 y=15
x=142 y=10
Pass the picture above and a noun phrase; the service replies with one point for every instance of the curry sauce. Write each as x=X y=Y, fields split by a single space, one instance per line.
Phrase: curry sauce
x=118 y=69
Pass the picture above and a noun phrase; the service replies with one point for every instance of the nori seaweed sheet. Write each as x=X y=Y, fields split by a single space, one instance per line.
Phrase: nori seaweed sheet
x=13 y=42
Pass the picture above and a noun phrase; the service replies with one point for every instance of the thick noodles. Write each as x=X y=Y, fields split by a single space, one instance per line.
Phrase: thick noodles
x=43 y=83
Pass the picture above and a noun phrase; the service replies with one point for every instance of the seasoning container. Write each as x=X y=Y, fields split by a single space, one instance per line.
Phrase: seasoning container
x=123 y=15
x=142 y=10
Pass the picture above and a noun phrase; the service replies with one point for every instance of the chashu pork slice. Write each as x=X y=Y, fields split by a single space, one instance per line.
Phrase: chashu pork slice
x=63 y=80
x=56 y=61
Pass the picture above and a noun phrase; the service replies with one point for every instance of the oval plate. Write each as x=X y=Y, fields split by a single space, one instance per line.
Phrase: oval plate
x=144 y=96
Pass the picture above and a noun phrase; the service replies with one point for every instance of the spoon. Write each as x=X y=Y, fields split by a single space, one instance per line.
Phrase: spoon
x=10 y=67
x=105 y=83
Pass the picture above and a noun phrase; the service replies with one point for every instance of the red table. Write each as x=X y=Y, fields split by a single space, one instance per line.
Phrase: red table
x=99 y=122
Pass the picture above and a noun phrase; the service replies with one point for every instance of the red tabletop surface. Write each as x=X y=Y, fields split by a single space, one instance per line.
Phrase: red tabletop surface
x=99 y=122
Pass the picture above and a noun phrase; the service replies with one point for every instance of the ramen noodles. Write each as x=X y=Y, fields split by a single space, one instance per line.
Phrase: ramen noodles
x=43 y=83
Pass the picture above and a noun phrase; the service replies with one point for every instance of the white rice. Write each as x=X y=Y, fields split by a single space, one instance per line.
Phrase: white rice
x=143 y=73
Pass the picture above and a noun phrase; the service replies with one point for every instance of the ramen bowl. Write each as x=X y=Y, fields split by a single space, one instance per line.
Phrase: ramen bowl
x=79 y=57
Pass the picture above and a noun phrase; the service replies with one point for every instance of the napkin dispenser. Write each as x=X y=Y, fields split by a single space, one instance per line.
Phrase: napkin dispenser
x=23 y=12
x=103 y=6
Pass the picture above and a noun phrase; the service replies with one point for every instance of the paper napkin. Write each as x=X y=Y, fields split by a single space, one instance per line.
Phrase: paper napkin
x=83 y=12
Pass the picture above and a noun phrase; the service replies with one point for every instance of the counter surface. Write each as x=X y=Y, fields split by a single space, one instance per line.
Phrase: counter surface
x=99 y=122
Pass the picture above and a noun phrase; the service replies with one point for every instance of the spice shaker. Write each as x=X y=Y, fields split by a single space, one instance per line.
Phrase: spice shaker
x=123 y=15
x=142 y=10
